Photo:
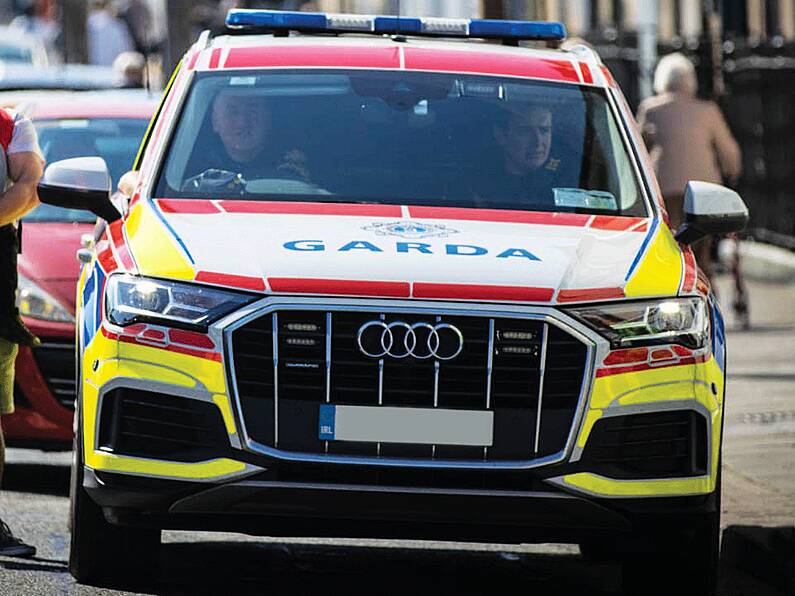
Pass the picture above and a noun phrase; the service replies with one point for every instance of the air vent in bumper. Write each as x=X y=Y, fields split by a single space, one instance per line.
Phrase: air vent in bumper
x=668 y=444
x=154 y=425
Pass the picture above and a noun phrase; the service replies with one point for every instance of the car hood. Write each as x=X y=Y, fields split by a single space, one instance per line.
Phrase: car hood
x=48 y=257
x=406 y=252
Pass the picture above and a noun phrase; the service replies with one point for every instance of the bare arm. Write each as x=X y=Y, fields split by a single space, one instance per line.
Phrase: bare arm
x=25 y=170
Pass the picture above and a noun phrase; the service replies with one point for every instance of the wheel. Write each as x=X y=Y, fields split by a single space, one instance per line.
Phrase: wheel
x=685 y=557
x=101 y=553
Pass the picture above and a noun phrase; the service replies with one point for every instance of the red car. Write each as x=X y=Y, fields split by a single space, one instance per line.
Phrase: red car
x=108 y=124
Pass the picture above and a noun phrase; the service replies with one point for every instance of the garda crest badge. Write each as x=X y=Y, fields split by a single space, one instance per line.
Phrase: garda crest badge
x=410 y=229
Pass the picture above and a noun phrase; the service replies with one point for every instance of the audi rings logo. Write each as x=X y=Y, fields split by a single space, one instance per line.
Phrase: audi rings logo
x=398 y=339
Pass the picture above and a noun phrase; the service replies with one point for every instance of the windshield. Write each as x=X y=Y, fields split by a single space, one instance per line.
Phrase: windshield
x=115 y=140
x=400 y=138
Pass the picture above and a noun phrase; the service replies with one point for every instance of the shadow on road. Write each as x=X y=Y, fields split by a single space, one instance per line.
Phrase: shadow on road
x=211 y=567
x=42 y=479
x=765 y=553
x=277 y=569
x=35 y=564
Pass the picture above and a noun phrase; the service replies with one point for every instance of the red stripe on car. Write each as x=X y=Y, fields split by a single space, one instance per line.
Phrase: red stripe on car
x=689 y=278
x=481 y=292
x=501 y=216
x=352 y=287
x=290 y=208
x=610 y=80
x=495 y=63
x=586 y=73
x=606 y=372
x=607 y=222
x=215 y=58
x=214 y=356
x=117 y=237
x=313 y=55
x=245 y=282
x=107 y=260
x=193 y=206
x=590 y=294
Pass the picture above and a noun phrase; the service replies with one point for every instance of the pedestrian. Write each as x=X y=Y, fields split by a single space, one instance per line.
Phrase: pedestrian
x=688 y=139
x=108 y=35
x=137 y=16
x=21 y=166
x=39 y=20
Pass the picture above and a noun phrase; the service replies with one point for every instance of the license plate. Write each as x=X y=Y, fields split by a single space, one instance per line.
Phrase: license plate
x=423 y=426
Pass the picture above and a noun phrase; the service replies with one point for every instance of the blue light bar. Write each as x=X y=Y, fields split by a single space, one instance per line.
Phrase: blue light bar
x=275 y=19
x=492 y=28
x=318 y=22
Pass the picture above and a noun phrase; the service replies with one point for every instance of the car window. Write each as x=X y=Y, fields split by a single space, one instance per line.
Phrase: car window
x=115 y=140
x=401 y=138
x=15 y=53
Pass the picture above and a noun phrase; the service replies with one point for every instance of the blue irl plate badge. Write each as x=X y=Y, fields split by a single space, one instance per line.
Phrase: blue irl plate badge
x=327 y=419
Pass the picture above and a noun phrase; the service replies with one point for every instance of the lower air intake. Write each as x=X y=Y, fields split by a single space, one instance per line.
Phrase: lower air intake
x=148 y=424
x=654 y=445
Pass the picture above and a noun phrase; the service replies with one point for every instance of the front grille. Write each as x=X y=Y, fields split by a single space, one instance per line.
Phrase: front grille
x=654 y=445
x=56 y=362
x=147 y=424
x=287 y=363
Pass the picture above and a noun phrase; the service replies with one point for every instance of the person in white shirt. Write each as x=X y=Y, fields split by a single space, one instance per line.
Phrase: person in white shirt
x=108 y=35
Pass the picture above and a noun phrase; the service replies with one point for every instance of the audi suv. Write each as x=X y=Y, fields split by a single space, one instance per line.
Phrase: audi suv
x=376 y=279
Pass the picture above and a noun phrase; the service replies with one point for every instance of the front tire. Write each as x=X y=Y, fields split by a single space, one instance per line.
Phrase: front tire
x=685 y=558
x=101 y=553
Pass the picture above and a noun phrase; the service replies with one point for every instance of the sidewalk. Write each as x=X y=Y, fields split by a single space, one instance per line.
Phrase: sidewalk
x=758 y=509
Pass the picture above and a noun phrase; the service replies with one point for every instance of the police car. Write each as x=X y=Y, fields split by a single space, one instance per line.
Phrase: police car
x=378 y=278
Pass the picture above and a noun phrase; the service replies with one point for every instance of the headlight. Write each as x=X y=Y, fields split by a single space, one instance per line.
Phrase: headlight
x=34 y=302
x=131 y=299
x=672 y=321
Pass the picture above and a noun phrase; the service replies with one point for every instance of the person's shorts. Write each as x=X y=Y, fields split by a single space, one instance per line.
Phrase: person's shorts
x=8 y=354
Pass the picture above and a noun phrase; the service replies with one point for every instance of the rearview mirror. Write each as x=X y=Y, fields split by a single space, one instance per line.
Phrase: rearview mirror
x=711 y=209
x=79 y=183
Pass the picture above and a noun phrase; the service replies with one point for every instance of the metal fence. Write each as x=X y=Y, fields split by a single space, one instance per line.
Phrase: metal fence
x=759 y=104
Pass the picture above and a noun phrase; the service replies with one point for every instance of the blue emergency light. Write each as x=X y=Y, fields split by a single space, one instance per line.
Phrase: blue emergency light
x=318 y=22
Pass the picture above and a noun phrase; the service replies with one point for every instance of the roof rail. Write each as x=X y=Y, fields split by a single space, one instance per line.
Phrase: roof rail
x=280 y=23
x=202 y=43
x=204 y=40
x=585 y=53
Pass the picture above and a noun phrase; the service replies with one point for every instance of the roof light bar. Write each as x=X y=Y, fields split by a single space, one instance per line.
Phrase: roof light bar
x=317 y=22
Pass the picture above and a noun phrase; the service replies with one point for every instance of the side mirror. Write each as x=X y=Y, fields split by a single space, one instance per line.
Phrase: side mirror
x=79 y=183
x=711 y=209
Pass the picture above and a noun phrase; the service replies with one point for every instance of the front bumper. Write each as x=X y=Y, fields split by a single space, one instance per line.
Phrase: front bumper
x=246 y=488
x=258 y=505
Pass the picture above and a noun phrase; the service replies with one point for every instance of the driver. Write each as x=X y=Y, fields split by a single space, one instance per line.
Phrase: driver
x=525 y=171
x=243 y=123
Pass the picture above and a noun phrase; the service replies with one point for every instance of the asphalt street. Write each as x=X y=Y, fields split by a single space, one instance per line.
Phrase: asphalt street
x=758 y=499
